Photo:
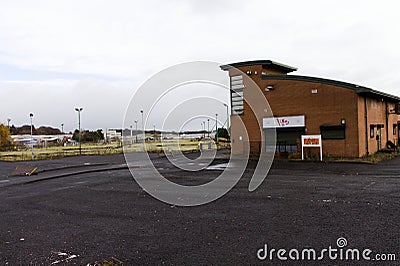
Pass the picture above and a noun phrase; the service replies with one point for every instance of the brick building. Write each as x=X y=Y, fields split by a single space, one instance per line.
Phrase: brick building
x=353 y=120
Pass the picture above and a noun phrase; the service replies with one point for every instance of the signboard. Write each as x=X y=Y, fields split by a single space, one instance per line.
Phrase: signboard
x=284 y=121
x=311 y=141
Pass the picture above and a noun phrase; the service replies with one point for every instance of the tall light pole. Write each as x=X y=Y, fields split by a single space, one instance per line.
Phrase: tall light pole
x=208 y=127
x=9 y=132
x=33 y=154
x=136 y=130
x=227 y=118
x=131 y=135
x=79 y=110
x=216 y=128
x=144 y=133
x=62 y=128
x=154 y=131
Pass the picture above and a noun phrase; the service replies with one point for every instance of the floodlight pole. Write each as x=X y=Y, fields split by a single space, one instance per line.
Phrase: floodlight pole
x=131 y=135
x=216 y=128
x=144 y=132
x=208 y=127
x=227 y=118
x=9 y=133
x=136 y=130
x=33 y=154
x=79 y=110
x=141 y=111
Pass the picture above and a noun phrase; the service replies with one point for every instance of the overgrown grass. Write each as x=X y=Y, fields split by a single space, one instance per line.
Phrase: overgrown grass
x=371 y=159
x=98 y=149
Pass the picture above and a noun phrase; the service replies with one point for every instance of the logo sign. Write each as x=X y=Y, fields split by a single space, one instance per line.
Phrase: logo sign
x=308 y=141
x=311 y=142
x=284 y=121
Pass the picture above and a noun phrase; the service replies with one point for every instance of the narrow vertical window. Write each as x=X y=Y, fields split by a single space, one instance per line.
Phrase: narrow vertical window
x=237 y=101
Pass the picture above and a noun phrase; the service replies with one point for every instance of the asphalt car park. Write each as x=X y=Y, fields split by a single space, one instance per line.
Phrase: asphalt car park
x=79 y=216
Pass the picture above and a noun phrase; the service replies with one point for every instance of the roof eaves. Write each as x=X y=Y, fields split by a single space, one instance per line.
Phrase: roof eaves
x=358 y=89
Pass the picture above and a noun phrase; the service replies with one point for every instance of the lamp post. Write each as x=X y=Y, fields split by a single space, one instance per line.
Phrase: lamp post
x=136 y=130
x=208 y=127
x=154 y=131
x=9 y=132
x=216 y=128
x=33 y=154
x=227 y=118
x=131 y=135
x=144 y=133
x=79 y=110
x=62 y=128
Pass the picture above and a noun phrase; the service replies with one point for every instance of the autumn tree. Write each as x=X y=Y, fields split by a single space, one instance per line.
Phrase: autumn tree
x=4 y=137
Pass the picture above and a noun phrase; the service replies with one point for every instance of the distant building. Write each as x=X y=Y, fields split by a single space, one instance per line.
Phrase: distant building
x=354 y=121
x=113 y=135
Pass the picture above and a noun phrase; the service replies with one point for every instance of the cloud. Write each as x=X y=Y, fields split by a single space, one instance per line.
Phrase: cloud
x=53 y=102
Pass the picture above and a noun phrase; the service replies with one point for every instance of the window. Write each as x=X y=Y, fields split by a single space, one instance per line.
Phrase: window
x=394 y=129
x=333 y=132
x=371 y=131
x=237 y=94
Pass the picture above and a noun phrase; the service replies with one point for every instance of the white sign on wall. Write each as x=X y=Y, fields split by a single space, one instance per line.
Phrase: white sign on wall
x=284 y=121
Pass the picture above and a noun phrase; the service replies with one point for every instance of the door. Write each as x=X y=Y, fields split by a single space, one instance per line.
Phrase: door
x=379 y=137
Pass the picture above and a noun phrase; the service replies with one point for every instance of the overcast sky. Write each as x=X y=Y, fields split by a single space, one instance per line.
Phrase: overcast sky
x=58 y=55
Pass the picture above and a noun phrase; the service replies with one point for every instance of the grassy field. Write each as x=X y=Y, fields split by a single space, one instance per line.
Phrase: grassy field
x=183 y=145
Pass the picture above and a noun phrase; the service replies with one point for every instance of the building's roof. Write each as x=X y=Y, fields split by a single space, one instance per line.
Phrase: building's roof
x=361 y=90
x=264 y=63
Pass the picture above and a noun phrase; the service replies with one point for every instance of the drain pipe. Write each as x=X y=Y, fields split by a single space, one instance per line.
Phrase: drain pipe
x=387 y=123
x=366 y=125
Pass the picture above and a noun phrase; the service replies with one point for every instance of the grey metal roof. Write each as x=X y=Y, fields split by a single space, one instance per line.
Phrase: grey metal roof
x=264 y=63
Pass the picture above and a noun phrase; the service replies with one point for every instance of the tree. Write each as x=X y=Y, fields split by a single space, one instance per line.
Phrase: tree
x=89 y=136
x=223 y=133
x=4 y=137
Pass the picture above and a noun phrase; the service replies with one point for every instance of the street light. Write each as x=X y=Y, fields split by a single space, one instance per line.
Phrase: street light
x=9 y=132
x=208 y=127
x=227 y=118
x=33 y=155
x=216 y=128
x=131 y=135
x=136 y=130
x=62 y=128
x=141 y=111
x=79 y=110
